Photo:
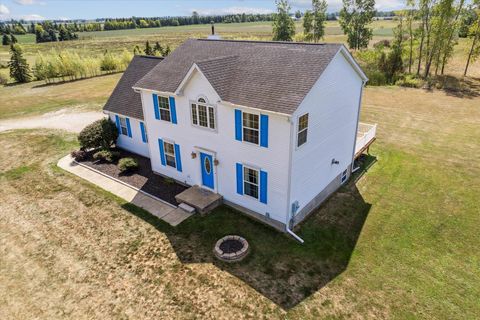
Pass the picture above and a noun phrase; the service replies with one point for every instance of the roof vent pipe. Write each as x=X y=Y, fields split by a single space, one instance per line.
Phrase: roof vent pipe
x=213 y=36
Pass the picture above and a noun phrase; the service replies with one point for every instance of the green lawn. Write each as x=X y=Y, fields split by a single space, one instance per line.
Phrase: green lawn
x=37 y=98
x=402 y=242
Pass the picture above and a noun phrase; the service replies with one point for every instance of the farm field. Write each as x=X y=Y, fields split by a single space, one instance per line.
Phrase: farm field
x=400 y=243
x=95 y=43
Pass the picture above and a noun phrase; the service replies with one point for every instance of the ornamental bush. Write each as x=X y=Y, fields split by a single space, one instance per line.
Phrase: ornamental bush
x=79 y=155
x=100 y=134
x=106 y=155
x=127 y=164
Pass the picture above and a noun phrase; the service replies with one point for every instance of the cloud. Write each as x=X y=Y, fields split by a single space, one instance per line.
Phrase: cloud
x=4 y=10
x=28 y=2
x=63 y=18
x=231 y=10
x=32 y=17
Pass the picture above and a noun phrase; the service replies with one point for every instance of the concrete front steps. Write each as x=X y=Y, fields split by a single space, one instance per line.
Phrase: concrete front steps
x=201 y=200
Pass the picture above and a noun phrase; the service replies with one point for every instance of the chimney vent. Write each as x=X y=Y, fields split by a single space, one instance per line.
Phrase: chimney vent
x=213 y=36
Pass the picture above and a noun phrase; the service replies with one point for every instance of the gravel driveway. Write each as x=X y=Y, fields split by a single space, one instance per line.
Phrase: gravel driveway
x=62 y=119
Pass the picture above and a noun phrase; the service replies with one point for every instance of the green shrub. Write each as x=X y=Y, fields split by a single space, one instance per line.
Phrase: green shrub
x=101 y=134
x=127 y=164
x=376 y=78
x=106 y=155
x=409 y=81
x=109 y=63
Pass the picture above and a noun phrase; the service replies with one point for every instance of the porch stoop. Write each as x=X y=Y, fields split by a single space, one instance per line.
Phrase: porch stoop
x=202 y=200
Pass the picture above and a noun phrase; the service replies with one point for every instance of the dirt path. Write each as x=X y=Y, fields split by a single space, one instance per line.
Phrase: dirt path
x=61 y=119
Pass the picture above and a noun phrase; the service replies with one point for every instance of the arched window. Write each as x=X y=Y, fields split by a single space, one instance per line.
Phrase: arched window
x=203 y=115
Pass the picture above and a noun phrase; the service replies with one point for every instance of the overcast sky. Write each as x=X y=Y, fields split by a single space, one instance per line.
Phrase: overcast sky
x=89 y=9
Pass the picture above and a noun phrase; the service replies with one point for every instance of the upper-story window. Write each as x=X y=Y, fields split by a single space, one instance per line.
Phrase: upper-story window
x=164 y=107
x=250 y=127
x=203 y=115
x=302 y=130
x=123 y=126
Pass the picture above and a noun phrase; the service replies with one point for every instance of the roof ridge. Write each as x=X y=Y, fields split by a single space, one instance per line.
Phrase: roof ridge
x=148 y=57
x=271 y=41
x=216 y=58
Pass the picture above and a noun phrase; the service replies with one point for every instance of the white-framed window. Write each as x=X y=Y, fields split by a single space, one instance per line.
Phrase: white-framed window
x=164 y=108
x=169 y=150
x=203 y=115
x=344 y=176
x=123 y=126
x=302 y=130
x=251 y=182
x=251 y=127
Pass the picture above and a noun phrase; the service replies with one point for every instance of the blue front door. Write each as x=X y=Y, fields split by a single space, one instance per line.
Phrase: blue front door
x=206 y=163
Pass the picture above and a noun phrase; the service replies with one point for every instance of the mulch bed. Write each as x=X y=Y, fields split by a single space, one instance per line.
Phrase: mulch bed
x=143 y=178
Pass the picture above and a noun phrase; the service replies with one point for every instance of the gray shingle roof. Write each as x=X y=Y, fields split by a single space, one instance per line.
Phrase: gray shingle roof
x=124 y=100
x=273 y=76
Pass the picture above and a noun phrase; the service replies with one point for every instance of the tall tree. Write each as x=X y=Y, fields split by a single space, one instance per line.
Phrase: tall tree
x=410 y=20
x=424 y=13
x=453 y=29
x=19 y=69
x=308 y=25
x=319 y=18
x=355 y=17
x=283 y=25
x=436 y=36
x=6 y=40
x=475 y=35
x=148 y=49
x=298 y=14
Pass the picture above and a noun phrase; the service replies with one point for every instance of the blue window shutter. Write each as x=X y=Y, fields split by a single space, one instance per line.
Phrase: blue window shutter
x=129 y=129
x=178 y=158
x=263 y=186
x=117 y=121
x=155 y=106
x=264 y=130
x=162 y=152
x=142 y=129
x=173 y=109
x=239 y=178
x=238 y=124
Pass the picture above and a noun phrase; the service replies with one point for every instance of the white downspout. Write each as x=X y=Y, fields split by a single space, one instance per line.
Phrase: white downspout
x=289 y=209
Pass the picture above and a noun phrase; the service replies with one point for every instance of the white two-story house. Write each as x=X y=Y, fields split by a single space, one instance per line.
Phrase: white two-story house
x=270 y=126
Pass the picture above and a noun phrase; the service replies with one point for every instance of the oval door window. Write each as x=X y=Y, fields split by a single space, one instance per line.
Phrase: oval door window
x=208 y=165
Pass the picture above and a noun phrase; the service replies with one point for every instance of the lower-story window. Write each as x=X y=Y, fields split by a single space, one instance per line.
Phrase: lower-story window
x=250 y=182
x=169 y=154
x=344 y=176
x=123 y=126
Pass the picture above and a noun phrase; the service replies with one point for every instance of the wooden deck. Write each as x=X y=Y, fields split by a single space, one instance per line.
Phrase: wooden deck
x=366 y=135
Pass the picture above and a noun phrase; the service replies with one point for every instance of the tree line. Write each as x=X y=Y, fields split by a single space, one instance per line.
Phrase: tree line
x=424 y=39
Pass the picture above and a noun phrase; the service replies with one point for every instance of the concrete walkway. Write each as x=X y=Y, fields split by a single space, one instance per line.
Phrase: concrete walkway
x=62 y=119
x=163 y=210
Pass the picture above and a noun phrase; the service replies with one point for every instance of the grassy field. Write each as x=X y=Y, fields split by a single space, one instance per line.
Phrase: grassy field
x=95 y=43
x=36 y=98
x=400 y=243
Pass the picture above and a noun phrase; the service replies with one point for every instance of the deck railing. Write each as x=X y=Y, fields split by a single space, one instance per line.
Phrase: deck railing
x=365 y=135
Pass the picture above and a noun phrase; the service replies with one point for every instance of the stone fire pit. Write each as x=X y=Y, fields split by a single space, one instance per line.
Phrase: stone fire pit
x=231 y=248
